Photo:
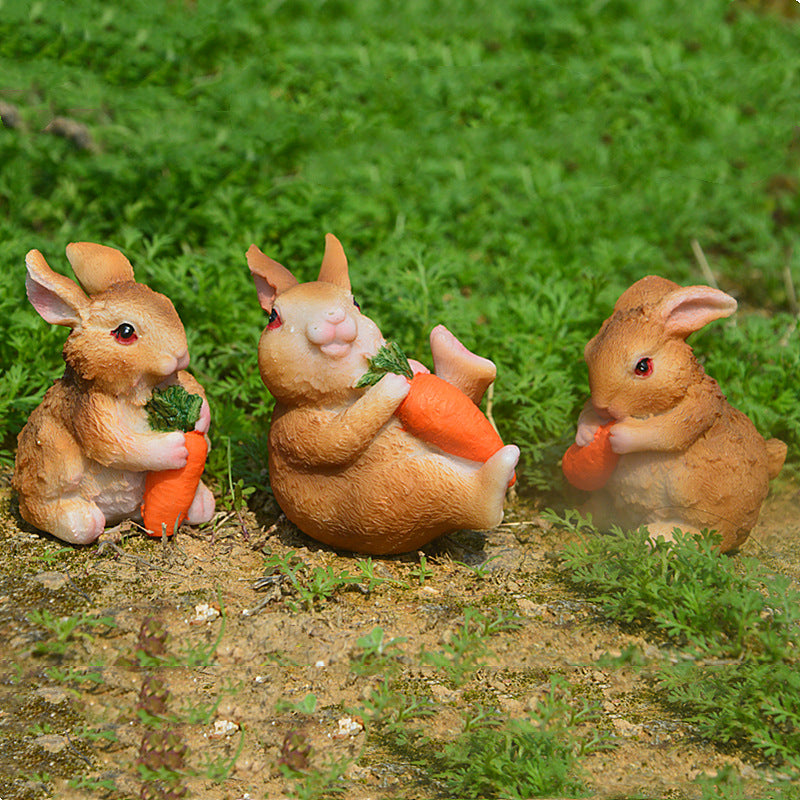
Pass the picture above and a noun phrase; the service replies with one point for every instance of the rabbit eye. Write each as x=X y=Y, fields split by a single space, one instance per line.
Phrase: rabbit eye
x=274 y=321
x=357 y=304
x=125 y=333
x=644 y=368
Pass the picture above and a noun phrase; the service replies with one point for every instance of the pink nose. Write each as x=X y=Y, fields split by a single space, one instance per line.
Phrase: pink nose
x=336 y=327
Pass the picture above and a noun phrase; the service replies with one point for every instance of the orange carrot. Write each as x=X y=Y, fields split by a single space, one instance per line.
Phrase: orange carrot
x=168 y=493
x=589 y=467
x=436 y=411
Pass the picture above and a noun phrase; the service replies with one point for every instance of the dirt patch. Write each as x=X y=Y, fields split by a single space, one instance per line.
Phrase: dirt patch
x=200 y=655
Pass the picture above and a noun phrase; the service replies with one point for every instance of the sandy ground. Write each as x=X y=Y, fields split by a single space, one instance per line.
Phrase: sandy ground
x=242 y=652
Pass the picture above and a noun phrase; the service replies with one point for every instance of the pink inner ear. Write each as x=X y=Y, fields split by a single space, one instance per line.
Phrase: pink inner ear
x=266 y=293
x=271 y=278
x=50 y=307
x=689 y=309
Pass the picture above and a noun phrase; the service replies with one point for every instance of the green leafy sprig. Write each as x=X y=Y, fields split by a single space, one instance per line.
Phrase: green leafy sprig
x=389 y=358
x=173 y=409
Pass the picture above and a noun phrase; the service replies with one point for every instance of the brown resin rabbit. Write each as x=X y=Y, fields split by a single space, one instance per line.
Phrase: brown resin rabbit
x=688 y=458
x=84 y=453
x=341 y=466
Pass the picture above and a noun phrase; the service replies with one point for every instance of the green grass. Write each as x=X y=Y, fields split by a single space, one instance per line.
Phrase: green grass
x=504 y=170
x=736 y=625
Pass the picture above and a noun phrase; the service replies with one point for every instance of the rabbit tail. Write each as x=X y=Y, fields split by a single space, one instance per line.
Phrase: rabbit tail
x=776 y=455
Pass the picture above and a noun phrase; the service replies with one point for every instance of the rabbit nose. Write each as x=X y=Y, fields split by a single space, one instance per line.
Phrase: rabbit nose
x=334 y=316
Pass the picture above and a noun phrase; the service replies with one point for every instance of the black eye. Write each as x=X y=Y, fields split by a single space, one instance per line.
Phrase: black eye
x=274 y=321
x=357 y=304
x=125 y=333
x=644 y=368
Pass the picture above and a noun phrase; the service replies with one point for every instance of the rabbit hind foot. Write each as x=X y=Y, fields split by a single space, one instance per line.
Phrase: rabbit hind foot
x=202 y=508
x=74 y=521
x=457 y=365
x=494 y=477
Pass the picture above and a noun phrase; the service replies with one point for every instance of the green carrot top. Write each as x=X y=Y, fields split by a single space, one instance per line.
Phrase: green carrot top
x=389 y=358
x=173 y=409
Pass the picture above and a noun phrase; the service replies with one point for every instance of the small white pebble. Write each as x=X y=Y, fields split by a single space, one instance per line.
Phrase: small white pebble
x=348 y=726
x=320 y=664
x=223 y=727
x=203 y=612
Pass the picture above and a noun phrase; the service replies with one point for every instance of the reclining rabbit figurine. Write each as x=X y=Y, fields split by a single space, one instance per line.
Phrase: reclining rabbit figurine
x=341 y=466
x=83 y=455
x=688 y=459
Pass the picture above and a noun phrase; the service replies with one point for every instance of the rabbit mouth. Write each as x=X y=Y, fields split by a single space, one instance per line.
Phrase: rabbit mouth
x=335 y=349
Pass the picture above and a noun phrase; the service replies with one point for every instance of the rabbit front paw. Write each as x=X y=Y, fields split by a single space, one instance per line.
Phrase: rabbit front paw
x=585 y=433
x=204 y=420
x=170 y=451
x=393 y=387
x=628 y=437
x=588 y=423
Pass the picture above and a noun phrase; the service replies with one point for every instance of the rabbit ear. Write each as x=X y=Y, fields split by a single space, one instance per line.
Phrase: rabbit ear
x=97 y=267
x=58 y=299
x=334 y=263
x=689 y=309
x=271 y=278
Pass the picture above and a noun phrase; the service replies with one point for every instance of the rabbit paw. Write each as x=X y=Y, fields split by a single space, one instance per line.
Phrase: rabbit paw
x=628 y=437
x=393 y=387
x=588 y=423
x=202 y=508
x=585 y=433
x=170 y=451
x=204 y=420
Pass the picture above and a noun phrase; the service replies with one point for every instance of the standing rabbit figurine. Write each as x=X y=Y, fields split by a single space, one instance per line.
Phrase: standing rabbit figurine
x=687 y=458
x=341 y=465
x=83 y=456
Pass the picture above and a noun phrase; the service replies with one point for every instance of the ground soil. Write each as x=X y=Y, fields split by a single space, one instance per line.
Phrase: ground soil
x=265 y=651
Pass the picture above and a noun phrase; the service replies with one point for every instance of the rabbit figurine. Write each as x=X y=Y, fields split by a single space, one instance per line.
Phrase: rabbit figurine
x=341 y=466
x=688 y=459
x=83 y=455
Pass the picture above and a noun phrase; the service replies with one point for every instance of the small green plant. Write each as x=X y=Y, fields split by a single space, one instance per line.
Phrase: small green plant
x=534 y=756
x=308 y=705
x=377 y=654
x=464 y=649
x=65 y=631
x=421 y=572
x=313 y=586
x=93 y=784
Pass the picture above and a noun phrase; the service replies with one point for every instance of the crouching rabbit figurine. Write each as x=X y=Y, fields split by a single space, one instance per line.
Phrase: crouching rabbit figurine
x=83 y=456
x=687 y=458
x=341 y=465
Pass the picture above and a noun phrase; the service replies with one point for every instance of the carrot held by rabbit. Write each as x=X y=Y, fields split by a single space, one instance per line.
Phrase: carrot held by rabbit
x=168 y=493
x=589 y=467
x=436 y=411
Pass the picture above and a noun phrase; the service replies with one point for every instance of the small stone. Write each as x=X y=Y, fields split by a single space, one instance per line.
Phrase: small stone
x=52 y=742
x=52 y=694
x=223 y=728
x=52 y=580
x=347 y=727
x=204 y=612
